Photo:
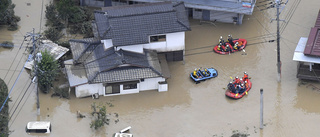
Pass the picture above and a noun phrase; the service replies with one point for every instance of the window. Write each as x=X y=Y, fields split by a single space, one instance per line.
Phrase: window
x=158 y=38
x=37 y=130
x=38 y=127
x=130 y=86
x=112 y=89
x=198 y=10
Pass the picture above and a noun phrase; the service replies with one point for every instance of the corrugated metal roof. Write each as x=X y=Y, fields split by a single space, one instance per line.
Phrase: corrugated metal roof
x=133 y=24
x=313 y=44
x=138 y=9
x=318 y=21
x=298 y=53
x=217 y=5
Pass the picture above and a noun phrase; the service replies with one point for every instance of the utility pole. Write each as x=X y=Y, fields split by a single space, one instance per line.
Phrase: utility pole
x=35 y=67
x=278 y=4
x=278 y=42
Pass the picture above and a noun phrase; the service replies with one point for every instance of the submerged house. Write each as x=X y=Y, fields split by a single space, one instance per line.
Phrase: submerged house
x=129 y=51
x=307 y=54
x=228 y=11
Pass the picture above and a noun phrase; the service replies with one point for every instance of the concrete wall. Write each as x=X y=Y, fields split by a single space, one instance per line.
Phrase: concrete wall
x=89 y=89
x=197 y=14
x=150 y=84
x=220 y=16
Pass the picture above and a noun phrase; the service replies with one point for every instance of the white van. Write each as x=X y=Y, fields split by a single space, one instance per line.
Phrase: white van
x=38 y=127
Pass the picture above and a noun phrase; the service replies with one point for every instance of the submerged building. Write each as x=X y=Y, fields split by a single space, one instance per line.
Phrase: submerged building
x=227 y=11
x=307 y=54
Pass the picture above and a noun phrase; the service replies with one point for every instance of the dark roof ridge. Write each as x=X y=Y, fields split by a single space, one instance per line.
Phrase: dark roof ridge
x=96 y=41
x=180 y=22
x=147 y=13
x=99 y=58
x=178 y=3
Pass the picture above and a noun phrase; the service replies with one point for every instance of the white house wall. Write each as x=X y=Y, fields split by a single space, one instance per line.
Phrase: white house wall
x=89 y=89
x=174 y=42
x=107 y=43
x=129 y=91
x=150 y=84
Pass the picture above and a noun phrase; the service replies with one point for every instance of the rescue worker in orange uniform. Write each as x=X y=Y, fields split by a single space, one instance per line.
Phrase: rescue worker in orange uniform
x=237 y=80
x=245 y=76
x=246 y=84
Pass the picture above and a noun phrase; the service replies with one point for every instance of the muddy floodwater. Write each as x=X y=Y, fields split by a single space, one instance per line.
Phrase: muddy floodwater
x=187 y=110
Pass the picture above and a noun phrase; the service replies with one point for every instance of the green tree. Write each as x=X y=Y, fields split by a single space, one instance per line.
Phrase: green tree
x=7 y=16
x=47 y=70
x=100 y=116
x=53 y=34
x=52 y=17
x=4 y=120
x=66 y=9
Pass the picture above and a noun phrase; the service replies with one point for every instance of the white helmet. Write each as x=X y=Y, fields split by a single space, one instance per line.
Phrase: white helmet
x=245 y=72
x=237 y=77
x=237 y=42
x=241 y=85
x=229 y=35
x=220 y=37
x=241 y=79
x=227 y=45
x=245 y=81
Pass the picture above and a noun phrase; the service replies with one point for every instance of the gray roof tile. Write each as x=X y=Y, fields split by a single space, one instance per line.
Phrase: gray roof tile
x=129 y=25
x=81 y=48
x=124 y=64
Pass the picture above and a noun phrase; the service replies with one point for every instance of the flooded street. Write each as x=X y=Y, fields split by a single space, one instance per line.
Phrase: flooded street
x=186 y=109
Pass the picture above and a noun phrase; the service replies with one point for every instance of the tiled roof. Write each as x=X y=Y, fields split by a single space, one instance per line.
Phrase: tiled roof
x=121 y=65
x=133 y=24
x=313 y=44
x=81 y=48
x=108 y=66
x=125 y=74
x=318 y=21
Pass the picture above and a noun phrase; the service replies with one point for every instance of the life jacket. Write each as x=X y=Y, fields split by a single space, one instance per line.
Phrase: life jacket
x=245 y=77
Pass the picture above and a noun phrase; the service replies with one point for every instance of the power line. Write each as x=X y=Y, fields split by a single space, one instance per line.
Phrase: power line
x=11 y=89
x=19 y=110
x=290 y=16
x=20 y=101
x=13 y=59
x=18 y=96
